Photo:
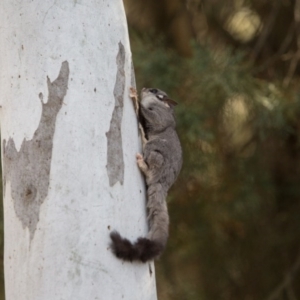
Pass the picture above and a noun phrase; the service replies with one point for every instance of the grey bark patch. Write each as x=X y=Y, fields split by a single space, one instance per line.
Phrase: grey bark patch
x=28 y=170
x=115 y=161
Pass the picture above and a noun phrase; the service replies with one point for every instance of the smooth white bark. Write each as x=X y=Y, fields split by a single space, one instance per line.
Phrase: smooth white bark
x=67 y=255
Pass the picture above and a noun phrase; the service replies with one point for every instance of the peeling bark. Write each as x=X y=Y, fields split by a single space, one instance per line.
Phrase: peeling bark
x=115 y=160
x=28 y=170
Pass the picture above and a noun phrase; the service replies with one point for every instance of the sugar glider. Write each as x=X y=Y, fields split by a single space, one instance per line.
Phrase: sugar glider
x=160 y=163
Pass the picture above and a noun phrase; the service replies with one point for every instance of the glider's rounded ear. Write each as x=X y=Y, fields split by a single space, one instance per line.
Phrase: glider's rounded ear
x=170 y=102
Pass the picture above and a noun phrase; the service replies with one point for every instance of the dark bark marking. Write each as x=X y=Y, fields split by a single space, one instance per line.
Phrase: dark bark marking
x=150 y=270
x=115 y=161
x=28 y=170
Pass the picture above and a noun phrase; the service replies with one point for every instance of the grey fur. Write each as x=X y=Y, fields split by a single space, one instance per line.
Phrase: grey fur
x=160 y=163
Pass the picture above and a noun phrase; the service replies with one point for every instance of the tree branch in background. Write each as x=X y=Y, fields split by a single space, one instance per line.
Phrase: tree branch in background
x=290 y=292
x=266 y=30
x=286 y=284
x=283 y=48
x=296 y=56
x=179 y=25
x=198 y=19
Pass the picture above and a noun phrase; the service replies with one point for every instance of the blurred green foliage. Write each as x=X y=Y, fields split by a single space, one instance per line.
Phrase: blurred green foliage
x=235 y=223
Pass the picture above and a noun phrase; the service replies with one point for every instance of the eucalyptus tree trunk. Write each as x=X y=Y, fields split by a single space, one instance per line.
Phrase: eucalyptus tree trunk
x=69 y=139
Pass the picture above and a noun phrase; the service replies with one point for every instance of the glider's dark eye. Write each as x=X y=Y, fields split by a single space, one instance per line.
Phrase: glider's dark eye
x=154 y=91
